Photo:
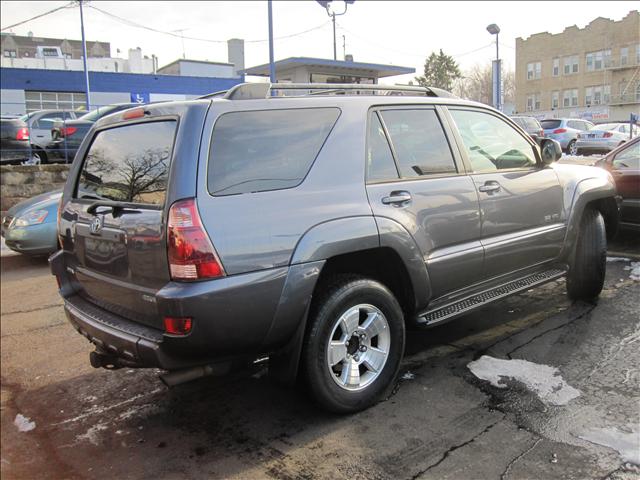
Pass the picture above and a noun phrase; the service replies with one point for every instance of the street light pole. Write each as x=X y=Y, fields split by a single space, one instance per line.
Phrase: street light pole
x=272 y=65
x=333 y=17
x=493 y=29
x=84 y=58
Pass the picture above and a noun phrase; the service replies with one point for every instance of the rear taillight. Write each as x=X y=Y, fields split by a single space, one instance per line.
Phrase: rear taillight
x=560 y=130
x=607 y=134
x=68 y=131
x=541 y=133
x=60 y=206
x=177 y=325
x=22 y=134
x=191 y=254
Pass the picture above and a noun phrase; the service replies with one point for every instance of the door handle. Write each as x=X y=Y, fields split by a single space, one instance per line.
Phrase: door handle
x=397 y=198
x=489 y=187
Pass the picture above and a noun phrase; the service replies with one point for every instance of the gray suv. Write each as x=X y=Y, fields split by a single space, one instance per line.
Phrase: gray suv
x=313 y=229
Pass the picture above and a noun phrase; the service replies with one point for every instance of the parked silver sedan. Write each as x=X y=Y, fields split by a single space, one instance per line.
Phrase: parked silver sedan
x=565 y=131
x=604 y=138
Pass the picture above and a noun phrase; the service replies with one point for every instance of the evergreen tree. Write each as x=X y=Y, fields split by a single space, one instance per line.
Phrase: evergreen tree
x=440 y=71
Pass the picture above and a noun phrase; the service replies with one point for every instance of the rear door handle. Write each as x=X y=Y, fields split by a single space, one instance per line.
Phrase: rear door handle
x=397 y=198
x=489 y=187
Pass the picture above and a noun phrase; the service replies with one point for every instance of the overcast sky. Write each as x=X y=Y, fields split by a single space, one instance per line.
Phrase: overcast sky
x=393 y=32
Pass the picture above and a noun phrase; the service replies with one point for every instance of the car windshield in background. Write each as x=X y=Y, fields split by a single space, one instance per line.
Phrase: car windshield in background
x=547 y=124
x=607 y=126
x=266 y=150
x=129 y=163
x=94 y=115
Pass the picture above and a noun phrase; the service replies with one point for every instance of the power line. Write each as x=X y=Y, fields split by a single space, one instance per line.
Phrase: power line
x=68 y=5
x=172 y=34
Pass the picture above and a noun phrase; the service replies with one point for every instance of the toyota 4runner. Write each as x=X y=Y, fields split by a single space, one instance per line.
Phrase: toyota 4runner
x=313 y=228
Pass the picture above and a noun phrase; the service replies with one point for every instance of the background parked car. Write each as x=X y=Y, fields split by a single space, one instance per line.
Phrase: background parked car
x=624 y=165
x=30 y=226
x=40 y=124
x=565 y=131
x=67 y=136
x=604 y=138
x=531 y=125
x=14 y=141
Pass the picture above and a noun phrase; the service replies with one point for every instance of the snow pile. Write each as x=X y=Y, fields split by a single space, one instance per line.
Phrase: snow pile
x=618 y=259
x=634 y=270
x=626 y=444
x=543 y=380
x=23 y=423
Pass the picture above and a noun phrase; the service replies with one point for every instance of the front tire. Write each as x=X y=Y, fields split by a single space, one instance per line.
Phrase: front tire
x=354 y=345
x=588 y=265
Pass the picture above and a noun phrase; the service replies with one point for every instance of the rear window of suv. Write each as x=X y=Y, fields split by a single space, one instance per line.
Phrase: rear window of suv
x=265 y=150
x=129 y=163
x=548 y=124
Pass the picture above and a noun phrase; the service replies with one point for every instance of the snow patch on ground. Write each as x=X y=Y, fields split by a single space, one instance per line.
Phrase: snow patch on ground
x=408 y=376
x=625 y=443
x=93 y=434
x=23 y=423
x=634 y=270
x=618 y=259
x=544 y=380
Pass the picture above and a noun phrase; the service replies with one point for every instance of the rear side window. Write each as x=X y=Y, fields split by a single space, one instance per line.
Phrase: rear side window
x=548 y=124
x=129 y=163
x=380 y=164
x=419 y=141
x=266 y=150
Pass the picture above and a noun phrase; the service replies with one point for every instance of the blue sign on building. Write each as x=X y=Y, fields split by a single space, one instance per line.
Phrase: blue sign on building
x=140 y=97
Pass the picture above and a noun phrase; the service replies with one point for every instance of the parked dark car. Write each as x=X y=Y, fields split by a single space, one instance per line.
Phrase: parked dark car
x=67 y=136
x=531 y=125
x=313 y=229
x=624 y=164
x=14 y=141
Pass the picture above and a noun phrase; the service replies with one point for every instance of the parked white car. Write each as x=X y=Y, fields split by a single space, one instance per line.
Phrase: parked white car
x=604 y=138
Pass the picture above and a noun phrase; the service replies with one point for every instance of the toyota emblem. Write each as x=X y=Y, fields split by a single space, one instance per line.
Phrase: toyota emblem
x=96 y=225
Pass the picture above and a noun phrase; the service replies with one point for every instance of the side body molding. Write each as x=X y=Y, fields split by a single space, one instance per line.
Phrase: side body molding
x=395 y=236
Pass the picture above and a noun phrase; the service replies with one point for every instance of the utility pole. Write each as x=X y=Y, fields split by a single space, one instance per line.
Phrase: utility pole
x=84 y=58
x=333 y=17
x=272 y=65
x=344 y=47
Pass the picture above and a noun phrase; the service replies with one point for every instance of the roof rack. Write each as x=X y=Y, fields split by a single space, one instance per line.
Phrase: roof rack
x=252 y=91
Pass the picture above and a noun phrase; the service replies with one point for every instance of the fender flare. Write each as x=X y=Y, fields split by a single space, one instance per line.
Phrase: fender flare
x=585 y=192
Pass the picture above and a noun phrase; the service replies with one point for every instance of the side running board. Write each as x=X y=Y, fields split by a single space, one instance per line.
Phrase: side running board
x=473 y=302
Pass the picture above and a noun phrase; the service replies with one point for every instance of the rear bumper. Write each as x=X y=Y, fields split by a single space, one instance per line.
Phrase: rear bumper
x=596 y=145
x=240 y=316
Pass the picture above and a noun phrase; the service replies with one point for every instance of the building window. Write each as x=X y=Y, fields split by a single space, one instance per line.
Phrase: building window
x=624 y=55
x=534 y=70
x=555 y=99
x=598 y=95
x=570 y=98
x=598 y=60
x=533 y=102
x=606 y=94
x=54 y=100
x=570 y=64
x=556 y=67
x=638 y=53
x=10 y=53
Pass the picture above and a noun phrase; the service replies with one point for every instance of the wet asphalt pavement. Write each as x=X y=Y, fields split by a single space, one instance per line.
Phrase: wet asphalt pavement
x=440 y=422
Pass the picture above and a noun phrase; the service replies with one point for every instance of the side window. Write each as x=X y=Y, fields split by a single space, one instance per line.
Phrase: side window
x=491 y=143
x=258 y=151
x=419 y=142
x=380 y=164
x=573 y=124
x=629 y=158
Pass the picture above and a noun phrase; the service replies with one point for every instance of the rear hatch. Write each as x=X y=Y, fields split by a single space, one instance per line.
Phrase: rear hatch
x=118 y=205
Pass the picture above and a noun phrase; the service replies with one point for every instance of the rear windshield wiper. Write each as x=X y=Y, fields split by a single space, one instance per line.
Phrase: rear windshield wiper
x=116 y=206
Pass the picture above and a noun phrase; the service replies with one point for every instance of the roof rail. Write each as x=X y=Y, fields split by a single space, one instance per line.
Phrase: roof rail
x=248 y=91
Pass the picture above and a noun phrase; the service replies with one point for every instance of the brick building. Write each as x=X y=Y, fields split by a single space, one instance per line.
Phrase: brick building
x=591 y=72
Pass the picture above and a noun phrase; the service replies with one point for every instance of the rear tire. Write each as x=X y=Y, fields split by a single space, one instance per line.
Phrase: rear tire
x=571 y=148
x=588 y=265
x=355 y=342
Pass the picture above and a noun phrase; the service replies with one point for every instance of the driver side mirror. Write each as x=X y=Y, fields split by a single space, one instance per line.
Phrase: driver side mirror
x=550 y=150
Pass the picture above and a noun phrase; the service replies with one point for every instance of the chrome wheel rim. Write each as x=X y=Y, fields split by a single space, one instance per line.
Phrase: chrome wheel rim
x=573 y=149
x=358 y=347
